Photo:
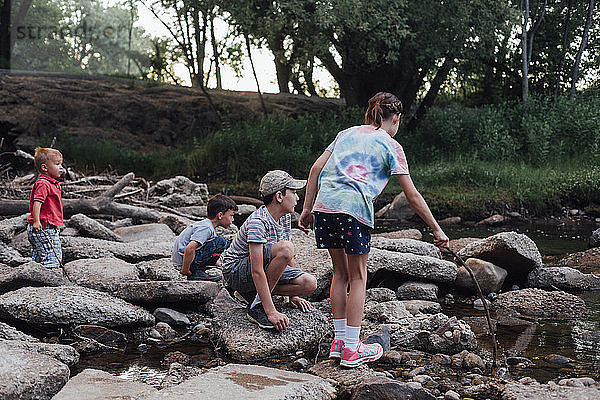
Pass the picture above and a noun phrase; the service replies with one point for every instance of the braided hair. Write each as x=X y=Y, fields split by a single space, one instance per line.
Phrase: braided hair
x=381 y=107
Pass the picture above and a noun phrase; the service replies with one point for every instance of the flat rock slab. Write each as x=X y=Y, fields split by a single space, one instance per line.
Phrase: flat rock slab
x=11 y=256
x=347 y=378
x=92 y=384
x=411 y=265
x=63 y=353
x=563 y=278
x=75 y=248
x=104 y=274
x=235 y=381
x=71 y=305
x=163 y=292
x=514 y=391
x=534 y=303
x=245 y=341
x=27 y=375
x=382 y=388
x=10 y=333
x=514 y=252
x=314 y=261
x=156 y=232
x=89 y=227
x=406 y=246
x=161 y=269
x=30 y=274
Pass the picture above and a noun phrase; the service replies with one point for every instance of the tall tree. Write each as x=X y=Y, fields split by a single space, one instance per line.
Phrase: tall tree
x=8 y=26
x=584 y=39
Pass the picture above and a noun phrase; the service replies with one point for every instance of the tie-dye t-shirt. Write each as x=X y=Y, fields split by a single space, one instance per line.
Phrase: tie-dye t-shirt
x=362 y=160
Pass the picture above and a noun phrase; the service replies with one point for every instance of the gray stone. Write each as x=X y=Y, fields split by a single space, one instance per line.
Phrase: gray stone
x=451 y=395
x=345 y=378
x=180 y=191
x=29 y=274
x=105 y=274
x=92 y=384
x=534 y=303
x=171 y=317
x=595 y=238
x=381 y=388
x=402 y=234
x=422 y=306
x=165 y=330
x=11 y=257
x=557 y=359
x=417 y=291
x=68 y=305
x=63 y=353
x=9 y=227
x=188 y=293
x=245 y=341
x=399 y=209
x=411 y=265
x=379 y=295
x=89 y=227
x=495 y=219
x=228 y=233
x=161 y=269
x=155 y=232
x=75 y=248
x=563 y=278
x=489 y=276
x=27 y=375
x=577 y=382
x=458 y=244
x=235 y=381
x=450 y=221
x=471 y=361
x=387 y=312
x=9 y=333
x=514 y=252
x=316 y=262
x=406 y=246
x=514 y=391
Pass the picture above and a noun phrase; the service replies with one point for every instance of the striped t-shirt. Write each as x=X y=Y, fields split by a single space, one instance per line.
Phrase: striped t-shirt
x=259 y=227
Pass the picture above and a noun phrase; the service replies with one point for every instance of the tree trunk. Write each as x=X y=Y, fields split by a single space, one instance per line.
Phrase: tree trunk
x=200 y=39
x=282 y=67
x=564 y=50
x=584 y=39
x=5 y=36
x=524 y=51
x=216 y=53
x=262 y=101
x=307 y=73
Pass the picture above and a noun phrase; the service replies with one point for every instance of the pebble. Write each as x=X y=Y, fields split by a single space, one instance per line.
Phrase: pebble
x=573 y=212
x=442 y=359
x=143 y=347
x=422 y=379
x=524 y=362
x=577 y=382
x=557 y=359
x=154 y=334
x=451 y=395
x=416 y=371
x=456 y=336
x=300 y=364
x=391 y=357
x=448 y=334
x=527 y=381
x=514 y=287
x=478 y=304
x=492 y=296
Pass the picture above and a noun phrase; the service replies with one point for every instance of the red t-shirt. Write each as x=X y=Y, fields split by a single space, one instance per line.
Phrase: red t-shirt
x=46 y=190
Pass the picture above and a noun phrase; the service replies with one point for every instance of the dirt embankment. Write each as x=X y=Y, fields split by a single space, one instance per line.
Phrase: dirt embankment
x=132 y=113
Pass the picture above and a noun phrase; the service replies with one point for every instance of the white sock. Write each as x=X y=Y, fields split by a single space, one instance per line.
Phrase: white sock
x=256 y=301
x=339 y=327
x=352 y=335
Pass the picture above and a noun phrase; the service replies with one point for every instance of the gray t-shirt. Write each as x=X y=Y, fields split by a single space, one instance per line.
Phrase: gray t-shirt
x=201 y=232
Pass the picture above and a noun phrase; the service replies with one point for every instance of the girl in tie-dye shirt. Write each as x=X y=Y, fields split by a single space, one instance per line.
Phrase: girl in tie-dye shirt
x=342 y=185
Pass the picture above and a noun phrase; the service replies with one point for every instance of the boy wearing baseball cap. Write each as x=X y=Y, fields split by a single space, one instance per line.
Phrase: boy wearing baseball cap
x=260 y=260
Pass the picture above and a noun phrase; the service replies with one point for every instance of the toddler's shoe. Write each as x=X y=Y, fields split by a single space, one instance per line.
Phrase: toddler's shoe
x=335 y=351
x=364 y=353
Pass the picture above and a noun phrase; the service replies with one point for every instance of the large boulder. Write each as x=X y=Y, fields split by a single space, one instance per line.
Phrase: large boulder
x=534 y=303
x=245 y=341
x=154 y=232
x=517 y=391
x=180 y=192
x=28 y=375
x=585 y=261
x=387 y=312
x=514 y=252
x=11 y=256
x=93 y=384
x=382 y=388
x=29 y=274
x=399 y=209
x=417 y=291
x=185 y=293
x=411 y=265
x=11 y=226
x=235 y=381
x=595 y=238
x=314 y=261
x=422 y=306
x=71 y=305
x=161 y=269
x=489 y=276
x=345 y=378
x=104 y=274
x=10 y=333
x=89 y=227
x=406 y=246
x=63 y=353
x=563 y=278
x=75 y=248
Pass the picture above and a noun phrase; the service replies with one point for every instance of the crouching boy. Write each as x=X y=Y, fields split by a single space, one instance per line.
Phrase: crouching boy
x=46 y=209
x=198 y=245
x=260 y=260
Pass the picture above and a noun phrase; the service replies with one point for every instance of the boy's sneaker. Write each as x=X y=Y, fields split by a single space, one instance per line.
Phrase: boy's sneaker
x=335 y=351
x=364 y=353
x=246 y=297
x=200 y=275
x=257 y=315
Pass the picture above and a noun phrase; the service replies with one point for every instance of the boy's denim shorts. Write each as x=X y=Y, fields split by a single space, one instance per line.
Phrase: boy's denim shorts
x=45 y=246
x=239 y=276
x=342 y=231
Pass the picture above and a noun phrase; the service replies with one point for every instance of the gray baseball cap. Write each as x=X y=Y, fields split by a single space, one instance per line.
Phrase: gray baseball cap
x=277 y=180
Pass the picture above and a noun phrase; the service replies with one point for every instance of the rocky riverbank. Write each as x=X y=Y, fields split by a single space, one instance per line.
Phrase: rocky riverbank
x=118 y=290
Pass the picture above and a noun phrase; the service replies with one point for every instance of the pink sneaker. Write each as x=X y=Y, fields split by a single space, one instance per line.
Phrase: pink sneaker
x=335 y=351
x=364 y=353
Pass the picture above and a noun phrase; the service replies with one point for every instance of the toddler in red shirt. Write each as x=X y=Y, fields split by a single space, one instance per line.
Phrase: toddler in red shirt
x=45 y=206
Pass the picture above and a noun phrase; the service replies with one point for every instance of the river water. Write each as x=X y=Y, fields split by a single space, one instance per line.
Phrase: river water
x=567 y=338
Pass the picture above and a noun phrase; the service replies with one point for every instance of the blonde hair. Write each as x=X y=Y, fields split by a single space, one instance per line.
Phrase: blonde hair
x=43 y=155
x=382 y=106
